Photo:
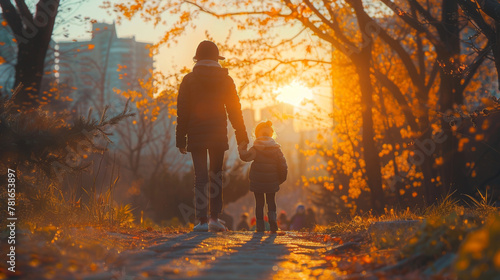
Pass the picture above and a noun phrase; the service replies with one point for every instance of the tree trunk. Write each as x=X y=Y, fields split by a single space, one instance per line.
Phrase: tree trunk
x=29 y=72
x=453 y=175
x=33 y=34
x=372 y=159
x=362 y=62
x=431 y=190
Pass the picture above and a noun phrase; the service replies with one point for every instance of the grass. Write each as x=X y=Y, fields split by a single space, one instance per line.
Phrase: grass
x=446 y=205
x=65 y=236
x=440 y=247
x=483 y=205
x=70 y=252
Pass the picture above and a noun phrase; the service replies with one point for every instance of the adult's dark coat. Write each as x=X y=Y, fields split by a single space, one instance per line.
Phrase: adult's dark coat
x=269 y=168
x=207 y=97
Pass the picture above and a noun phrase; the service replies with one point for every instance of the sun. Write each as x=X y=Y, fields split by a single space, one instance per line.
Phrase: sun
x=294 y=93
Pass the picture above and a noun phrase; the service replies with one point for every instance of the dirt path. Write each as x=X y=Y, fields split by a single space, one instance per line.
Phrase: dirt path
x=231 y=255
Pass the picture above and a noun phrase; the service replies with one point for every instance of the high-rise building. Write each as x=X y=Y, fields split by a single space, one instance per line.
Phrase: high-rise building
x=97 y=67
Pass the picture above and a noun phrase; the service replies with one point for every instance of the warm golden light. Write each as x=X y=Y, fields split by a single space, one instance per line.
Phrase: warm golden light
x=296 y=93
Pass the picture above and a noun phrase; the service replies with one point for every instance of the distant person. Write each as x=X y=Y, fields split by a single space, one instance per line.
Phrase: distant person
x=298 y=220
x=267 y=172
x=243 y=224
x=207 y=97
x=283 y=222
x=228 y=219
x=310 y=219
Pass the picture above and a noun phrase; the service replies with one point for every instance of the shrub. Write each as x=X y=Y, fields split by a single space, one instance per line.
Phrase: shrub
x=479 y=255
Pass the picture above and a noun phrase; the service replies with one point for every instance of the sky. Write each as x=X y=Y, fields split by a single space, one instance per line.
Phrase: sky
x=178 y=56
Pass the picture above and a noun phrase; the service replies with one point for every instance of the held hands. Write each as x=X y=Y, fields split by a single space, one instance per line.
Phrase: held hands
x=242 y=146
x=244 y=154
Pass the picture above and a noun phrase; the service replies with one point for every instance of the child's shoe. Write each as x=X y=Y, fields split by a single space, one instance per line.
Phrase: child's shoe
x=216 y=225
x=273 y=223
x=260 y=226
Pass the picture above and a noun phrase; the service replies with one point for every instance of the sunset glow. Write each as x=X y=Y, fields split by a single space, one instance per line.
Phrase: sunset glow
x=211 y=139
x=294 y=93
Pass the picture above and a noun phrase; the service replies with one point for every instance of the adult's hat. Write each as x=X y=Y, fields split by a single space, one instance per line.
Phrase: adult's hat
x=208 y=50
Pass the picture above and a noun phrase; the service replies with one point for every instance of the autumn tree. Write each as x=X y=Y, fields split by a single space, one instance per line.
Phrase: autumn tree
x=33 y=33
x=359 y=50
x=410 y=74
x=485 y=15
x=442 y=25
x=149 y=134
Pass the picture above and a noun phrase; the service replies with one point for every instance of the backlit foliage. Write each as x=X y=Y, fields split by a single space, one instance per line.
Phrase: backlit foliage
x=439 y=235
x=479 y=254
x=322 y=44
x=37 y=141
x=157 y=94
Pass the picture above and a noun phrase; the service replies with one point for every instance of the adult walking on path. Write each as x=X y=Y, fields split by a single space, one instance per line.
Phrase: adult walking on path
x=207 y=97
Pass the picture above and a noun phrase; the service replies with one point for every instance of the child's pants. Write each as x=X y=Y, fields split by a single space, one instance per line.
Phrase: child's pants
x=214 y=196
x=259 y=204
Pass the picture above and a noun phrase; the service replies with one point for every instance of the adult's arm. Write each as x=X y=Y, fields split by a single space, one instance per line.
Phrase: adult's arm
x=233 y=107
x=182 y=115
x=247 y=155
x=282 y=166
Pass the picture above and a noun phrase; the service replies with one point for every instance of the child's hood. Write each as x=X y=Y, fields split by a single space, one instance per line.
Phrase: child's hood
x=264 y=142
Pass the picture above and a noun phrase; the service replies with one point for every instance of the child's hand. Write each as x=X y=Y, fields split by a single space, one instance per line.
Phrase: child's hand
x=247 y=155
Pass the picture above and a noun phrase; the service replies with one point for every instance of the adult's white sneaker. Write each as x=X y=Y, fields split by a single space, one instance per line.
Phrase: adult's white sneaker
x=216 y=225
x=201 y=227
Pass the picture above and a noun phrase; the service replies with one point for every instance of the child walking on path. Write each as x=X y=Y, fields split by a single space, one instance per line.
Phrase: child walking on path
x=207 y=97
x=267 y=173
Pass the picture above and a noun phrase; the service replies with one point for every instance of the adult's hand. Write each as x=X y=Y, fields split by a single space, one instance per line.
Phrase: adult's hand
x=183 y=151
x=243 y=145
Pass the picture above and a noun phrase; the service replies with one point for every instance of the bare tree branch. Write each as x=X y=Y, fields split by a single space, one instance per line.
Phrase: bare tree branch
x=24 y=11
x=398 y=96
x=413 y=22
x=472 y=69
x=332 y=24
x=491 y=8
x=223 y=15
x=344 y=49
x=473 y=12
x=12 y=17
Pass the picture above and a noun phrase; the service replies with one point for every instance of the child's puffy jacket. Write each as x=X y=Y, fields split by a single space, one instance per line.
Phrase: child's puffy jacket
x=269 y=168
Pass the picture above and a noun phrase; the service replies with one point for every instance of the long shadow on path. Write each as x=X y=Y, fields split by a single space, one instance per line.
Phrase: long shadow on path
x=159 y=260
x=258 y=258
